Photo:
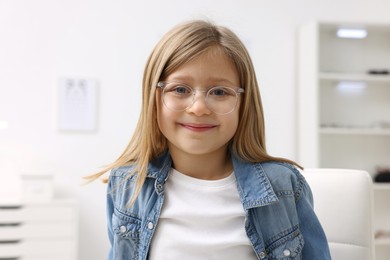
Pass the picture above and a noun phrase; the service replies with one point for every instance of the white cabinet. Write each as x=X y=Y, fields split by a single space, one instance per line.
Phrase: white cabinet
x=39 y=231
x=344 y=105
x=382 y=221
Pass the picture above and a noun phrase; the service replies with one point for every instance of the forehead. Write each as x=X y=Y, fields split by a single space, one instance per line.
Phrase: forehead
x=211 y=66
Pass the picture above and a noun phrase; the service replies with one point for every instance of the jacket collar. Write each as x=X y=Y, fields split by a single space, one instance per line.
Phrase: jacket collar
x=160 y=166
x=253 y=185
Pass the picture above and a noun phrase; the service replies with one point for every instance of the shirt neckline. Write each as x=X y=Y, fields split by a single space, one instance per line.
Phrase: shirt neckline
x=175 y=175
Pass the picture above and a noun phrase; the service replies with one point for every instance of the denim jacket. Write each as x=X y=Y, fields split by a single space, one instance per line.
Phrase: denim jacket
x=280 y=221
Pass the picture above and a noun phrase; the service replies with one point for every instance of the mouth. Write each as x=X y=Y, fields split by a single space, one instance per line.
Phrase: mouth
x=198 y=127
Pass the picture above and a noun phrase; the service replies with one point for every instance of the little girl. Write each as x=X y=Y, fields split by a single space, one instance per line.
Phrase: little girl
x=195 y=181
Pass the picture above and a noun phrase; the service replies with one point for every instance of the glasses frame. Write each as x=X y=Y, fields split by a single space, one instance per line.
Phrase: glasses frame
x=163 y=84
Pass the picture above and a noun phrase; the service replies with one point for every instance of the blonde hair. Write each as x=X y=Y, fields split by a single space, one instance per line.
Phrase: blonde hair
x=180 y=45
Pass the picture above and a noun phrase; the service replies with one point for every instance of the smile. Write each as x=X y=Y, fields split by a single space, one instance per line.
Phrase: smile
x=198 y=127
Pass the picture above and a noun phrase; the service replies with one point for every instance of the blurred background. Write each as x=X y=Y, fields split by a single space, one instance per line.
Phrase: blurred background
x=47 y=47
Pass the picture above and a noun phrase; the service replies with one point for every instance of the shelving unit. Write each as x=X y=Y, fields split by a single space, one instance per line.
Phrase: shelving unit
x=344 y=111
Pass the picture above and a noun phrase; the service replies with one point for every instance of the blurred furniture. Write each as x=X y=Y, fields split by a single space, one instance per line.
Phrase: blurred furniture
x=343 y=201
x=39 y=230
x=344 y=103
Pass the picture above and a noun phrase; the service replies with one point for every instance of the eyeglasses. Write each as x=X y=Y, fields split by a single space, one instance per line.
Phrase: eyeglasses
x=179 y=97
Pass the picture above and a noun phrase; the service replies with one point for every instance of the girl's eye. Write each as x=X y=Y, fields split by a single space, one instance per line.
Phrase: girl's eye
x=220 y=92
x=180 y=90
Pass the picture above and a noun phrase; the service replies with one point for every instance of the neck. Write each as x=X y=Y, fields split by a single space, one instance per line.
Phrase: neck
x=211 y=166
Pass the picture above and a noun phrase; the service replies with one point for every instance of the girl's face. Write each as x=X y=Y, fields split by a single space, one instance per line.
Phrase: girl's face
x=197 y=130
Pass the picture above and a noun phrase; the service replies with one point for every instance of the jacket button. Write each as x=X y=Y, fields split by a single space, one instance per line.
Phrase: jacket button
x=159 y=187
x=262 y=255
x=122 y=229
x=150 y=225
x=286 y=252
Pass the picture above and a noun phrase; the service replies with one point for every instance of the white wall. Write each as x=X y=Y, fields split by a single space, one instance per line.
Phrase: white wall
x=44 y=40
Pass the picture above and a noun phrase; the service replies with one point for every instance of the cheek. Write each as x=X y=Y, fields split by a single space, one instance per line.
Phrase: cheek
x=231 y=125
x=234 y=126
x=164 y=118
x=235 y=119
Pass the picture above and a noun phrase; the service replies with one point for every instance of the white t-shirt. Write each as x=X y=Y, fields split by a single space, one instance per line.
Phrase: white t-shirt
x=201 y=219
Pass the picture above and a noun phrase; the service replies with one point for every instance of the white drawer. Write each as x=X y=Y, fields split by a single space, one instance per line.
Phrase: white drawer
x=39 y=249
x=53 y=257
x=37 y=231
x=56 y=257
x=36 y=213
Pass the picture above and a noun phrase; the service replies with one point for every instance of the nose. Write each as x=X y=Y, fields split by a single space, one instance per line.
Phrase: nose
x=199 y=106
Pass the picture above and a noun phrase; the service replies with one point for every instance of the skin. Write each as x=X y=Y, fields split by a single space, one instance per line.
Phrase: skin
x=198 y=138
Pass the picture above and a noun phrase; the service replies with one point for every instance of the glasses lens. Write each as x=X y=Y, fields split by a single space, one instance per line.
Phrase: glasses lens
x=221 y=100
x=177 y=96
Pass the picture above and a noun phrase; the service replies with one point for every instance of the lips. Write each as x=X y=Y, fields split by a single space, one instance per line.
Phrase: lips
x=198 y=127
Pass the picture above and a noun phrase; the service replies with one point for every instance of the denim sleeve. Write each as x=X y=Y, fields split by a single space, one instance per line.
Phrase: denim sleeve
x=316 y=245
x=110 y=211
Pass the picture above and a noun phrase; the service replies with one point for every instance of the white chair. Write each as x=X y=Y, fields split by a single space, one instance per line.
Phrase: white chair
x=343 y=201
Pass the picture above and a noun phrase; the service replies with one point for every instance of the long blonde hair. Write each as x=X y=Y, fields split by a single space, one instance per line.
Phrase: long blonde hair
x=180 y=45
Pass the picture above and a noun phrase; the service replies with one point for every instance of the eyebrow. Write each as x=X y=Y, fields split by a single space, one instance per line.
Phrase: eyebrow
x=191 y=79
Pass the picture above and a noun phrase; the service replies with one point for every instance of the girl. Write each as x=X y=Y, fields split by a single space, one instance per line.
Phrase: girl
x=196 y=182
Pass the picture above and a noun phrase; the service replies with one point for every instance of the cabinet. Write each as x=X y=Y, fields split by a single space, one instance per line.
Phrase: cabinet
x=39 y=231
x=344 y=106
x=382 y=221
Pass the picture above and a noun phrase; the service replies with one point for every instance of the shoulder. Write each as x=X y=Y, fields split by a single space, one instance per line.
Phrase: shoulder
x=120 y=175
x=120 y=178
x=284 y=177
x=121 y=172
x=124 y=179
x=280 y=170
x=274 y=171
